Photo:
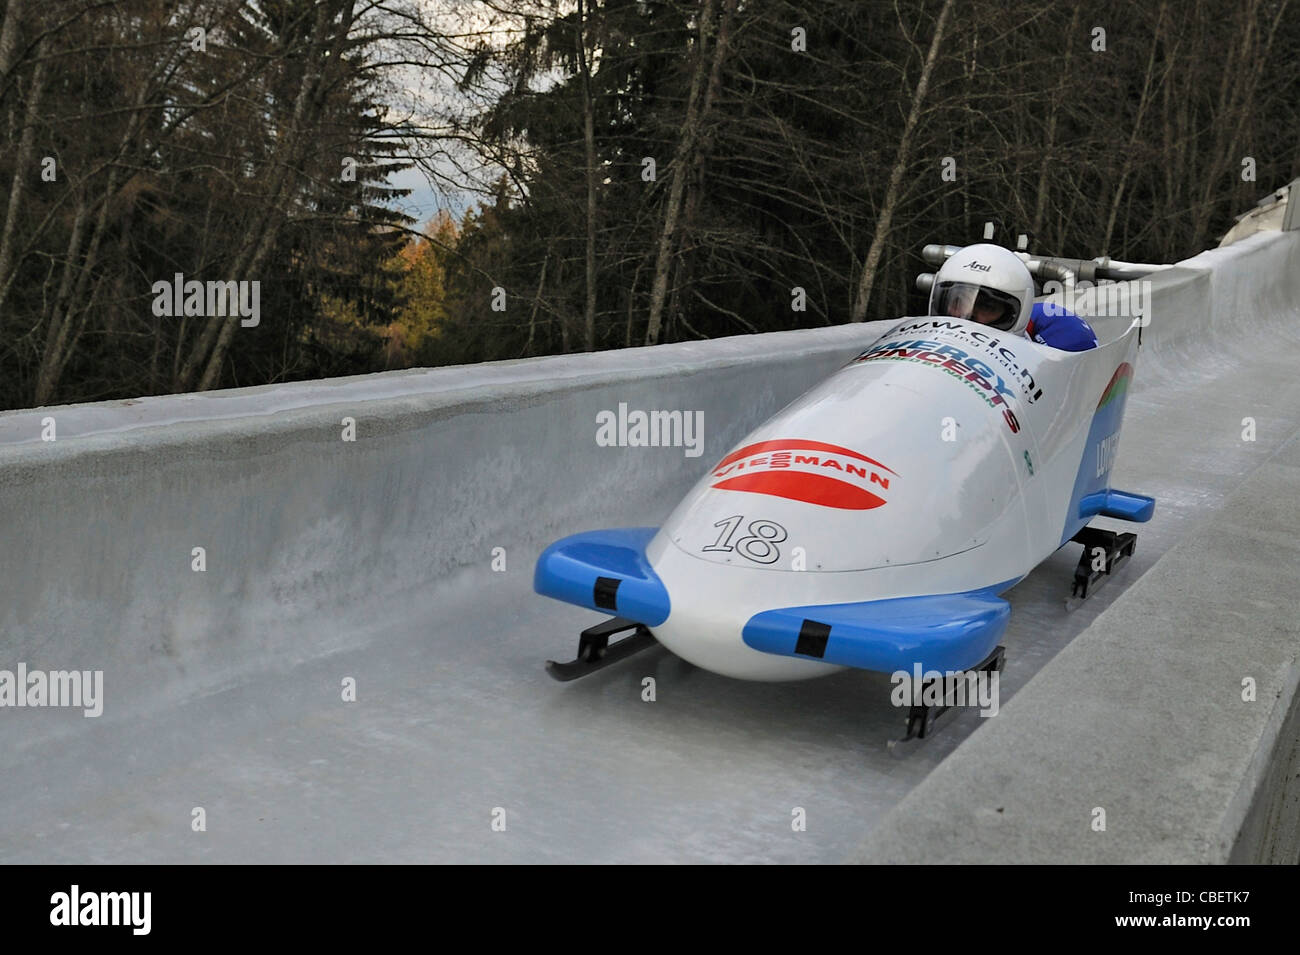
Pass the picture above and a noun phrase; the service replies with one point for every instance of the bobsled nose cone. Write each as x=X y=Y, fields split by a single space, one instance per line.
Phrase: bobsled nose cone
x=713 y=641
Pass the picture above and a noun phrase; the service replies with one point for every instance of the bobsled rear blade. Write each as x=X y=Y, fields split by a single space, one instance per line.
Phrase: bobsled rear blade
x=1113 y=548
x=923 y=720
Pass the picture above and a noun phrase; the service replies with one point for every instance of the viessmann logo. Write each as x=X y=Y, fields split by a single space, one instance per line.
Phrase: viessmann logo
x=809 y=471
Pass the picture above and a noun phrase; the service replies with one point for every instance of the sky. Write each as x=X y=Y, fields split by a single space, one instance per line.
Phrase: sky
x=429 y=93
x=424 y=201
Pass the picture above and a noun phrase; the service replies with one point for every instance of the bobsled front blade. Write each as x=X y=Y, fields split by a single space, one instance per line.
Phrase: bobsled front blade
x=945 y=632
x=595 y=652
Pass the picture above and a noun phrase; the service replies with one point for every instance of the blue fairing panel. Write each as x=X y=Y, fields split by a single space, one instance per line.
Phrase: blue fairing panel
x=1121 y=505
x=942 y=632
x=605 y=570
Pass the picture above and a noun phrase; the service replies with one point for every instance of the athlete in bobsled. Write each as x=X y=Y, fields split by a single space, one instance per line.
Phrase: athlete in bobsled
x=989 y=284
x=845 y=532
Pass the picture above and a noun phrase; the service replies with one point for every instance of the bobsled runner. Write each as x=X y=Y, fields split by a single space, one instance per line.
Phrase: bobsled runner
x=876 y=521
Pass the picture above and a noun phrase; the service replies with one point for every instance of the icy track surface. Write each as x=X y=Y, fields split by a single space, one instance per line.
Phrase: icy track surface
x=229 y=698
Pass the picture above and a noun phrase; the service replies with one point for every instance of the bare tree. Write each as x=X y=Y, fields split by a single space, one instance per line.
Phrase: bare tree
x=885 y=220
x=696 y=115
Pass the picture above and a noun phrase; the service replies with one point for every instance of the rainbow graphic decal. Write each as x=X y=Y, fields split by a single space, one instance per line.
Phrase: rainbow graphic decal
x=1118 y=385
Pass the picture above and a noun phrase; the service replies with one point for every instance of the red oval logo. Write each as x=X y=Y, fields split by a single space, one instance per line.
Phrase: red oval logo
x=810 y=471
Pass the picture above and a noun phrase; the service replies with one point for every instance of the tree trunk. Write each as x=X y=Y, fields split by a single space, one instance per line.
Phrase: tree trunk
x=1233 y=70
x=1127 y=166
x=44 y=384
x=589 y=144
x=681 y=158
x=968 y=71
x=68 y=313
x=691 y=197
x=881 y=235
x=1040 y=203
x=631 y=305
x=537 y=302
x=1249 y=71
x=23 y=169
x=9 y=37
x=212 y=346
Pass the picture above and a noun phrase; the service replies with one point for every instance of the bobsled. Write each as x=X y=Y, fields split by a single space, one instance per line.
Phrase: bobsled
x=876 y=521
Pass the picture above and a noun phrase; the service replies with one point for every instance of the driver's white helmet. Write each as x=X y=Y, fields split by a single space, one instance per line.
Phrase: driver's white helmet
x=985 y=283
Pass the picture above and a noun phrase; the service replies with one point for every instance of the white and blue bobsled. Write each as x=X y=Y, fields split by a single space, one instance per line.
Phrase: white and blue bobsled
x=874 y=522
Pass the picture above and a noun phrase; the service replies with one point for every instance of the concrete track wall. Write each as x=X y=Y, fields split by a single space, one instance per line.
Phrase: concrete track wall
x=300 y=526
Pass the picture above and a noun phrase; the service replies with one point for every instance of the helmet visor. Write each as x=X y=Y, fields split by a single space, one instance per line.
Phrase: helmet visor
x=976 y=303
